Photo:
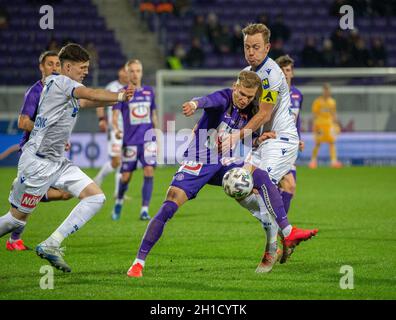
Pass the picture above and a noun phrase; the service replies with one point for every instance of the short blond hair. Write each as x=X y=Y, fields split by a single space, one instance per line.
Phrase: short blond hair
x=249 y=79
x=133 y=61
x=284 y=61
x=254 y=28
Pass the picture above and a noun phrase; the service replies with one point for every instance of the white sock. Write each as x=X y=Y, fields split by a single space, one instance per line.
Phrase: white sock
x=8 y=223
x=104 y=171
x=117 y=181
x=144 y=208
x=286 y=231
x=80 y=215
x=142 y=262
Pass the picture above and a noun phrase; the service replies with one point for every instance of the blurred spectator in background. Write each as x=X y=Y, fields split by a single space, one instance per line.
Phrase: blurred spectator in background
x=199 y=28
x=279 y=31
x=53 y=45
x=93 y=54
x=310 y=56
x=328 y=54
x=182 y=8
x=222 y=40
x=175 y=60
x=237 y=39
x=213 y=26
x=195 y=57
x=360 y=54
x=276 y=49
x=378 y=53
x=146 y=9
x=263 y=18
x=3 y=18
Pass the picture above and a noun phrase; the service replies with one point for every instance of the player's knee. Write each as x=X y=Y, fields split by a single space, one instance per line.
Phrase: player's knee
x=66 y=196
x=148 y=171
x=115 y=162
x=126 y=177
x=99 y=199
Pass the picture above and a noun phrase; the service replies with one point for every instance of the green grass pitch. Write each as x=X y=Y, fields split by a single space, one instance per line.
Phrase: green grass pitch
x=210 y=249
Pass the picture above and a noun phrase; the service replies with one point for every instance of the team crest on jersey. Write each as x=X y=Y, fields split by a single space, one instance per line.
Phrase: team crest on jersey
x=265 y=83
x=283 y=152
x=268 y=71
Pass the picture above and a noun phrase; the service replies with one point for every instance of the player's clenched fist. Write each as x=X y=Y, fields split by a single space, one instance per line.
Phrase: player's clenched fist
x=127 y=94
x=189 y=108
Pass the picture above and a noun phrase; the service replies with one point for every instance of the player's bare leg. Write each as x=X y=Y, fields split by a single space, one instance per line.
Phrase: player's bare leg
x=333 y=156
x=91 y=201
x=314 y=162
x=147 y=191
x=123 y=187
x=175 y=198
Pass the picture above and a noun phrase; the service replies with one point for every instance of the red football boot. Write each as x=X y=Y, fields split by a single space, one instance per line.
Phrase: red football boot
x=135 y=271
x=17 y=245
x=293 y=239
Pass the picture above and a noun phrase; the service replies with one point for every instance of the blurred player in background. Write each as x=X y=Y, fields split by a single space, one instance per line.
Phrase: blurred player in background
x=114 y=144
x=325 y=126
x=48 y=63
x=296 y=98
x=138 y=116
x=43 y=163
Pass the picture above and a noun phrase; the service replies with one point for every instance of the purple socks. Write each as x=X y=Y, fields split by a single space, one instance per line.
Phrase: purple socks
x=147 y=190
x=155 y=228
x=123 y=187
x=286 y=197
x=271 y=197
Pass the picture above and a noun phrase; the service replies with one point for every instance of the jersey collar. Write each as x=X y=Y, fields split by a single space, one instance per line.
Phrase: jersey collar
x=261 y=64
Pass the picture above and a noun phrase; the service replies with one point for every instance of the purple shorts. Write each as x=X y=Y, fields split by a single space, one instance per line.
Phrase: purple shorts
x=146 y=154
x=192 y=176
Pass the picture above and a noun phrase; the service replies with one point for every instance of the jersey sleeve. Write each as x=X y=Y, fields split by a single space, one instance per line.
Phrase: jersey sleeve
x=216 y=100
x=270 y=87
x=118 y=106
x=30 y=104
x=153 y=106
x=67 y=85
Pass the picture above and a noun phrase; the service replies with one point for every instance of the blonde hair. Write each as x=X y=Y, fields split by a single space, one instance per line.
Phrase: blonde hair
x=284 y=61
x=254 y=28
x=249 y=79
x=133 y=61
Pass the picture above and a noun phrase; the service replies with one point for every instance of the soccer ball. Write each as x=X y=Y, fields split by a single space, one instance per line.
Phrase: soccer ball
x=238 y=183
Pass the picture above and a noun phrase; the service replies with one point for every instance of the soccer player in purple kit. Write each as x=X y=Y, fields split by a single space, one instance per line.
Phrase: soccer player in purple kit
x=48 y=64
x=139 y=116
x=225 y=110
x=286 y=63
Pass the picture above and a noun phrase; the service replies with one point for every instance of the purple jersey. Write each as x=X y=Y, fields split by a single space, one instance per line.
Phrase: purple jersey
x=137 y=115
x=220 y=115
x=29 y=107
x=296 y=99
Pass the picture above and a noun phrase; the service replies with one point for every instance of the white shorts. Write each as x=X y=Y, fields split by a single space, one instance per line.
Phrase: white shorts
x=114 y=145
x=36 y=175
x=276 y=156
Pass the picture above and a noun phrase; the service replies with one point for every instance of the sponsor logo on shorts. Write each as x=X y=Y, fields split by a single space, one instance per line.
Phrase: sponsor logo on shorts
x=284 y=151
x=30 y=201
x=23 y=179
x=193 y=168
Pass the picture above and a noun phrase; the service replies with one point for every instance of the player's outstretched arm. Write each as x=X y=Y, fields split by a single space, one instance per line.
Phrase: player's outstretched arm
x=25 y=123
x=101 y=95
